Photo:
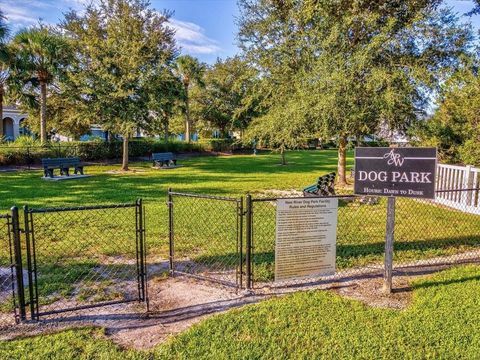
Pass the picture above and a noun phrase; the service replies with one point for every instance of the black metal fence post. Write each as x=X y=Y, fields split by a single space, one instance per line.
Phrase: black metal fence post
x=18 y=263
x=170 y=230
x=248 y=235
x=389 y=238
x=240 y=215
x=31 y=266
x=141 y=250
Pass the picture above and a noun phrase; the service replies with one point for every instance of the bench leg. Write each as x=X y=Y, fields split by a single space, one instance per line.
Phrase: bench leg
x=50 y=173
x=174 y=162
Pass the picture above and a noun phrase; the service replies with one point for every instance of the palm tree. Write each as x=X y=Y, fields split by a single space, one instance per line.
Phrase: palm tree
x=191 y=72
x=3 y=65
x=40 y=56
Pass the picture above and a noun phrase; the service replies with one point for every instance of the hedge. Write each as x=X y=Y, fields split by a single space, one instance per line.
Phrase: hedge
x=88 y=151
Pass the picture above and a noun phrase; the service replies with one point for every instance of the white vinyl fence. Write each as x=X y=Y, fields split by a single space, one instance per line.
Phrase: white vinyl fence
x=452 y=177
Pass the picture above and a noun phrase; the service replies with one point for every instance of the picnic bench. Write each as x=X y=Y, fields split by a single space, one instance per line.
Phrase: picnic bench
x=160 y=159
x=62 y=164
x=323 y=187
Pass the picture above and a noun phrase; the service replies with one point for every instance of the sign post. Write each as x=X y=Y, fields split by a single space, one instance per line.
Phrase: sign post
x=395 y=172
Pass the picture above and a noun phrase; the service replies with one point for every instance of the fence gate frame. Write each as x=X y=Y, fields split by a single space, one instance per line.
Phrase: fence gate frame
x=240 y=251
x=32 y=303
x=15 y=264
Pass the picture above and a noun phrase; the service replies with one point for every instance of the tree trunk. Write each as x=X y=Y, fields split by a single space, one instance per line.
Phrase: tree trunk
x=43 y=113
x=1 y=110
x=125 y=153
x=187 y=116
x=166 y=131
x=342 y=161
x=282 y=153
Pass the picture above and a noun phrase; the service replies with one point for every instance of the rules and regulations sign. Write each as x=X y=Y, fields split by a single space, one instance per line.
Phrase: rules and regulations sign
x=306 y=234
x=408 y=172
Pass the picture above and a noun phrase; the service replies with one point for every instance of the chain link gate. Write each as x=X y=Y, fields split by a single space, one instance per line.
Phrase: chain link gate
x=78 y=258
x=9 y=276
x=206 y=237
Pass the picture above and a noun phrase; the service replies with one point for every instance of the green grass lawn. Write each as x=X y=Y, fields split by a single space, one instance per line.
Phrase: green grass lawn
x=441 y=323
x=205 y=231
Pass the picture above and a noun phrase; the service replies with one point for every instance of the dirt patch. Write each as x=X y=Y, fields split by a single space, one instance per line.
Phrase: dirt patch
x=370 y=291
x=123 y=172
x=279 y=193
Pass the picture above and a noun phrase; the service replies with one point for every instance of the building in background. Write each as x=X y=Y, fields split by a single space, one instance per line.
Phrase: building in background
x=12 y=121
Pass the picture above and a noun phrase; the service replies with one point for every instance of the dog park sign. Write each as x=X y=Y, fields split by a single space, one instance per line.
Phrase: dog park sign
x=405 y=172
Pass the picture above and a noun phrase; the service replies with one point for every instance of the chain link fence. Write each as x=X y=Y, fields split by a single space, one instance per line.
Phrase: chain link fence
x=360 y=239
x=84 y=257
x=428 y=233
x=78 y=258
x=206 y=237
x=221 y=239
x=7 y=273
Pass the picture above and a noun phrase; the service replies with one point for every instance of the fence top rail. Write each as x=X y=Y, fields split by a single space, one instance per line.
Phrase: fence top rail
x=203 y=196
x=456 y=190
x=303 y=197
x=455 y=167
x=4 y=216
x=79 y=208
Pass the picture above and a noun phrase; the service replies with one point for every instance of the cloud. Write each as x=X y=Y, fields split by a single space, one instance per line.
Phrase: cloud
x=192 y=39
x=18 y=16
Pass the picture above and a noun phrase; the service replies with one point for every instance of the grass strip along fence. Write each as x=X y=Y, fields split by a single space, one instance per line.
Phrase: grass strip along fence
x=90 y=256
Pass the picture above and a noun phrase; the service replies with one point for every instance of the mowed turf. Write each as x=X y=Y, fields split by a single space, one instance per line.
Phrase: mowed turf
x=441 y=323
x=205 y=230
x=222 y=175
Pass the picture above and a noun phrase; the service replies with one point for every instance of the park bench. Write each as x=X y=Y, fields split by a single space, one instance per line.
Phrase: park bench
x=160 y=159
x=63 y=164
x=323 y=187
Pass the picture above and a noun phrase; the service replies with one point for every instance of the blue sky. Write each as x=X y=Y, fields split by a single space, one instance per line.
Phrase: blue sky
x=205 y=28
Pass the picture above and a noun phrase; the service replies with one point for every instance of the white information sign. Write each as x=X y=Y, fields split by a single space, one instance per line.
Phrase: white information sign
x=306 y=235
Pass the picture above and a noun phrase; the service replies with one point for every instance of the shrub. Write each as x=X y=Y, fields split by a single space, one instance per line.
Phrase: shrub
x=470 y=153
x=222 y=145
x=23 y=153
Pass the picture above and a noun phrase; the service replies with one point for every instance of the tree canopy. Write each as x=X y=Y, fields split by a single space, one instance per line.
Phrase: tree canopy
x=122 y=47
x=347 y=68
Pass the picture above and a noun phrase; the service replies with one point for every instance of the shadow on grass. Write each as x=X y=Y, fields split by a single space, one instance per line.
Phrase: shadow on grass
x=437 y=283
x=358 y=250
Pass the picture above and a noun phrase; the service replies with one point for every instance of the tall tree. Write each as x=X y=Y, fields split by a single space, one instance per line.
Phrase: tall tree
x=348 y=68
x=454 y=128
x=228 y=101
x=191 y=72
x=4 y=59
x=165 y=100
x=120 y=46
x=40 y=57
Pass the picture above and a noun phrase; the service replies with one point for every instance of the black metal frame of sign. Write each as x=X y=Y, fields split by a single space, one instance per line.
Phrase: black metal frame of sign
x=405 y=172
